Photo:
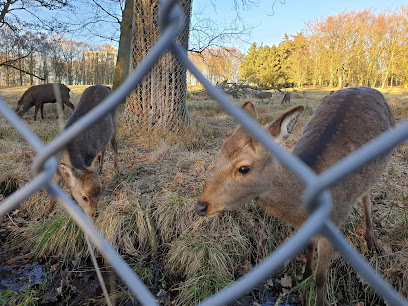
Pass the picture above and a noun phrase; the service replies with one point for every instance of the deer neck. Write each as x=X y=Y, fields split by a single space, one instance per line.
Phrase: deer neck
x=283 y=197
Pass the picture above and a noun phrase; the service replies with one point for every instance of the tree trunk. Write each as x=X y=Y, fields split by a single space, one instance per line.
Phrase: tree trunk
x=159 y=101
x=31 y=68
x=97 y=71
x=20 y=67
x=123 y=59
x=45 y=67
x=69 y=70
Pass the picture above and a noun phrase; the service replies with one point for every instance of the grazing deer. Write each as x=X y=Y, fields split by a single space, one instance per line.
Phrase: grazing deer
x=263 y=95
x=286 y=98
x=40 y=94
x=82 y=161
x=342 y=123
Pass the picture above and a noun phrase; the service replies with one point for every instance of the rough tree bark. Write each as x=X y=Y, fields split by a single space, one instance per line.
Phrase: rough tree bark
x=123 y=60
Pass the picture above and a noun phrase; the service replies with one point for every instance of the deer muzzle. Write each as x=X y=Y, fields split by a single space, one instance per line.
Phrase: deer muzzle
x=201 y=208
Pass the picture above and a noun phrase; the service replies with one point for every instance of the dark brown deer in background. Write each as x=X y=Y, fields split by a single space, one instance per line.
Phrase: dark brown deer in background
x=82 y=161
x=342 y=123
x=263 y=95
x=286 y=97
x=39 y=95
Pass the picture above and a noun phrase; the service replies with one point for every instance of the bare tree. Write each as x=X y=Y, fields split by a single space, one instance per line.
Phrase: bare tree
x=206 y=33
x=98 y=21
x=160 y=101
x=10 y=18
x=18 y=53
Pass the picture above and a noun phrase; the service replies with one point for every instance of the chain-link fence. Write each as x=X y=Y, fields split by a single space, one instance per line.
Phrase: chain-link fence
x=316 y=197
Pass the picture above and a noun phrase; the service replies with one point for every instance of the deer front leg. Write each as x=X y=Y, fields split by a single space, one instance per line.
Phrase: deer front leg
x=309 y=252
x=37 y=107
x=325 y=254
x=60 y=182
x=69 y=104
x=114 y=145
x=369 y=234
x=42 y=111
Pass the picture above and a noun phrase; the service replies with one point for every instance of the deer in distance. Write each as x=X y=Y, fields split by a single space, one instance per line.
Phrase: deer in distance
x=245 y=170
x=264 y=95
x=38 y=95
x=81 y=162
x=286 y=98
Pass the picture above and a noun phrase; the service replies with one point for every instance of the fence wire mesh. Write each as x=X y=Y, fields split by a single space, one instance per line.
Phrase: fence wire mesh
x=158 y=101
x=316 y=197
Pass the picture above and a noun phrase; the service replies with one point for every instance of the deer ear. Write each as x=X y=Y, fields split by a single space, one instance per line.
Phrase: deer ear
x=282 y=127
x=69 y=173
x=249 y=108
x=65 y=169
x=96 y=164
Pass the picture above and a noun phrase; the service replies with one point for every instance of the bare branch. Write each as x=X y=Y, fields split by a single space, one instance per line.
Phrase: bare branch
x=38 y=18
x=9 y=13
x=109 y=14
x=22 y=70
x=14 y=60
x=5 y=10
x=273 y=5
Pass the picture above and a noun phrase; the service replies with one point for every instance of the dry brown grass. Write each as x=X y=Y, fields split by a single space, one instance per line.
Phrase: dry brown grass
x=147 y=213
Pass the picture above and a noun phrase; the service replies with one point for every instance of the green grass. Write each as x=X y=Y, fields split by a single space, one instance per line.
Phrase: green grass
x=56 y=236
x=144 y=273
x=31 y=295
x=196 y=289
x=305 y=290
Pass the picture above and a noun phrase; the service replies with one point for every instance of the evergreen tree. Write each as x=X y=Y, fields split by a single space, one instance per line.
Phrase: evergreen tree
x=248 y=65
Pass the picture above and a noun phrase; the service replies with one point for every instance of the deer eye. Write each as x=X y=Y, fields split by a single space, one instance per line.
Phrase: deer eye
x=244 y=169
x=85 y=198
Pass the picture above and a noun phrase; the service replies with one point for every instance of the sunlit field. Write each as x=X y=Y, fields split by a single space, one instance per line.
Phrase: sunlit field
x=146 y=213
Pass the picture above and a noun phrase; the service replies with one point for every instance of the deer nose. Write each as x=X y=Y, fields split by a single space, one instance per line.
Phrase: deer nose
x=201 y=208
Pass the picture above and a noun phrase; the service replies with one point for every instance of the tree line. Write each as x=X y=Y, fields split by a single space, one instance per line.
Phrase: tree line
x=32 y=58
x=217 y=64
x=353 y=48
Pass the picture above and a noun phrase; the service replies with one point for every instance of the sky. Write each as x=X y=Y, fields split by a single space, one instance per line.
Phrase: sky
x=270 y=19
x=275 y=18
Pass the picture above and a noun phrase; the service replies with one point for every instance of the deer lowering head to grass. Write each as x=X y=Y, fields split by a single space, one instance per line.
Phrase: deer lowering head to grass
x=82 y=161
x=245 y=170
x=38 y=95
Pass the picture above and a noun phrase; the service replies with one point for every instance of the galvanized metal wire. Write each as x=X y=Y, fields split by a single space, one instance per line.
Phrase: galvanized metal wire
x=316 y=197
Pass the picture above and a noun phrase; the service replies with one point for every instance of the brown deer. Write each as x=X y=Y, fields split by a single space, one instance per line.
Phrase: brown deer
x=286 y=97
x=82 y=161
x=263 y=95
x=246 y=171
x=39 y=95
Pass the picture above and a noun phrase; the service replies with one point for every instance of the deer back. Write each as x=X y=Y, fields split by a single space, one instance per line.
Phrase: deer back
x=342 y=123
x=91 y=142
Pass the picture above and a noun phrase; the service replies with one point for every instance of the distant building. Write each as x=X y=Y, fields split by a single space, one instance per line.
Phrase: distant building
x=98 y=66
x=109 y=54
